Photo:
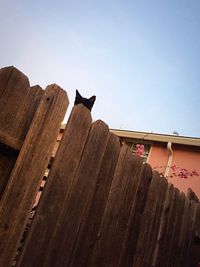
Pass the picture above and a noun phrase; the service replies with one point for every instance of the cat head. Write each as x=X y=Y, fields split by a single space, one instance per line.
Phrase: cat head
x=87 y=102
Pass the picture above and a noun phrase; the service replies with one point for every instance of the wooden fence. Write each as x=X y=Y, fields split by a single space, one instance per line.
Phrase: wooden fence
x=101 y=206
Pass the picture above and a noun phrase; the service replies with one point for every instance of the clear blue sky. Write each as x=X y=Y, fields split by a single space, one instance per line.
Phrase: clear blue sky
x=140 y=58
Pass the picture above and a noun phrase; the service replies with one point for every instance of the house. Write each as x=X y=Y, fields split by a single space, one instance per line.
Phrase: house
x=176 y=157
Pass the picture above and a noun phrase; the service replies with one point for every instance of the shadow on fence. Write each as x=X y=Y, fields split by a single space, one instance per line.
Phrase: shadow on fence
x=101 y=206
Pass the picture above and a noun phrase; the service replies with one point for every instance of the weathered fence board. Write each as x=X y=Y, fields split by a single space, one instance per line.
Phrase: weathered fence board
x=143 y=178
x=29 y=170
x=175 y=232
x=81 y=193
x=195 y=249
x=14 y=88
x=188 y=255
x=161 y=244
x=160 y=188
x=53 y=201
x=30 y=106
x=170 y=231
x=18 y=103
x=78 y=199
x=190 y=232
x=88 y=232
x=150 y=221
x=197 y=225
x=115 y=219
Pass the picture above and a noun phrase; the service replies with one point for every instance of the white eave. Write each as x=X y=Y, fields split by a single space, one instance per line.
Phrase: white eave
x=183 y=140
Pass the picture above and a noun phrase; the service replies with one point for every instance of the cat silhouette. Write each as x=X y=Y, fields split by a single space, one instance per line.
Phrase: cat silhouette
x=87 y=102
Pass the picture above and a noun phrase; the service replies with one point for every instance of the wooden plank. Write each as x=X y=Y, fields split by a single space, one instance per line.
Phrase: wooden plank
x=149 y=221
x=18 y=103
x=190 y=232
x=80 y=195
x=54 y=198
x=163 y=240
x=183 y=229
x=143 y=181
x=115 y=219
x=170 y=233
x=197 y=224
x=191 y=248
x=14 y=88
x=29 y=170
x=195 y=249
x=76 y=200
x=161 y=187
x=187 y=233
x=30 y=106
x=92 y=217
x=164 y=229
x=175 y=233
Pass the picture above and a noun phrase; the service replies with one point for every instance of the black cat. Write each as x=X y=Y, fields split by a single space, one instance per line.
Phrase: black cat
x=87 y=102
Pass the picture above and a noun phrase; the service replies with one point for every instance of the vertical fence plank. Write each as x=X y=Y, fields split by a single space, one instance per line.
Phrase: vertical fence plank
x=115 y=219
x=188 y=250
x=175 y=233
x=193 y=255
x=92 y=218
x=195 y=250
x=164 y=239
x=197 y=225
x=164 y=231
x=183 y=228
x=57 y=188
x=29 y=170
x=148 y=230
x=130 y=243
x=170 y=231
x=30 y=106
x=18 y=104
x=160 y=192
x=80 y=195
x=190 y=231
x=14 y=88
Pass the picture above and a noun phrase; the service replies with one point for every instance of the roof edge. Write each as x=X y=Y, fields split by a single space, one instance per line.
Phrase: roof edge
x=165 y=138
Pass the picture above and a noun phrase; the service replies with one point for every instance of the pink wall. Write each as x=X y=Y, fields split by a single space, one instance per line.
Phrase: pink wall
x=183 y=157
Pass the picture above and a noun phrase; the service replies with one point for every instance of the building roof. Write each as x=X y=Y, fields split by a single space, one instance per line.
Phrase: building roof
x=165 y=138
x=156 y=137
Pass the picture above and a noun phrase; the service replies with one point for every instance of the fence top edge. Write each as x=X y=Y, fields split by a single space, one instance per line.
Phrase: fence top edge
x=56 y=91
x=100 y=123
x=10 y=71
x=36 y=87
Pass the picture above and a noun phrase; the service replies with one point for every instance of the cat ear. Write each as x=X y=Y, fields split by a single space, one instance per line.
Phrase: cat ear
x=78 y=94
x=92 y=99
